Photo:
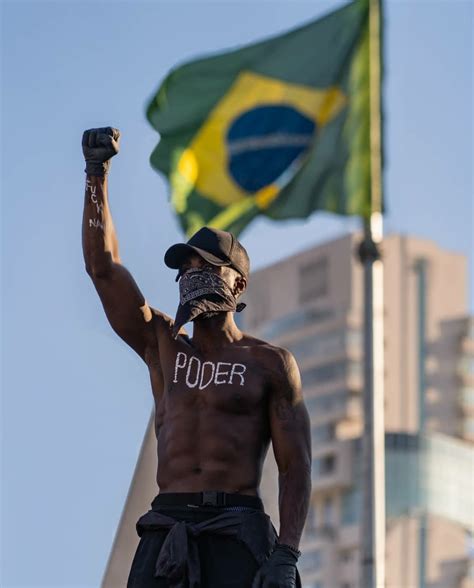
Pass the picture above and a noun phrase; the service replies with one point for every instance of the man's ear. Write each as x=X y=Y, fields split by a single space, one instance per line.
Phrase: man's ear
x=239 y=285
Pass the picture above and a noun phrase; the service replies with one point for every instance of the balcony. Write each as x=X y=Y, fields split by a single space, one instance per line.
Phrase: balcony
x=466 y=368
x=337 y=406
x=467 y=346
x=300 y=319
x=348 y=536
x=332 y=466
x=466 y=400
x=311 y=561
x=468 y=428
x=319 y=535
x=341 y=372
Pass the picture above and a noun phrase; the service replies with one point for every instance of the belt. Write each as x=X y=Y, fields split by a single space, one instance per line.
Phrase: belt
x=207 y=498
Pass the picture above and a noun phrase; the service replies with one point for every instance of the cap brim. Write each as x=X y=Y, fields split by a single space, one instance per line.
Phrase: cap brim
x=177 y=254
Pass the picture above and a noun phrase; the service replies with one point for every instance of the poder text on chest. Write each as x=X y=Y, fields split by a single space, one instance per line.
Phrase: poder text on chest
x=196 y=373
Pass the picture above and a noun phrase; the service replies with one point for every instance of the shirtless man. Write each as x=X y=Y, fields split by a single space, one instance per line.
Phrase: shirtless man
x=220 y=398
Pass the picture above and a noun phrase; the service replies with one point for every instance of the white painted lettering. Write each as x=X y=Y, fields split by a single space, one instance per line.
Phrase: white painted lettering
x=95 y=223
x=238 y=369
x=194 y=384
x=202 y=374
x=203 y=369
x=221 y=373
x=179 y=365
x=98 y=205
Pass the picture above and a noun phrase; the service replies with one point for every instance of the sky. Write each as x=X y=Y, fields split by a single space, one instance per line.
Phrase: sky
x=75 y=399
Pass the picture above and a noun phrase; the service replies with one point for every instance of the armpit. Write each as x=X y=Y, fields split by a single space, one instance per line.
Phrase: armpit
x=164 y=325
x=146 y=311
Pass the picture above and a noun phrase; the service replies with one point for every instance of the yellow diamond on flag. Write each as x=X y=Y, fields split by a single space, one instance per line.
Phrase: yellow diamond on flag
x=253 y=142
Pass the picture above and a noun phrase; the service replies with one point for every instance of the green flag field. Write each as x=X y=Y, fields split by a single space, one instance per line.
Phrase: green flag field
x=279 y=128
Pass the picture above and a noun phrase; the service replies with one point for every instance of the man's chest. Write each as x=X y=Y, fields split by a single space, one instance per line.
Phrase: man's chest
x=222 y=381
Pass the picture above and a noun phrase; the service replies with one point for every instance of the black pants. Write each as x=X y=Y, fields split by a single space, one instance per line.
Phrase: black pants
x=225 y=562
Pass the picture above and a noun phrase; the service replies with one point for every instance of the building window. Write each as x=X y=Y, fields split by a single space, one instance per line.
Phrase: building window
x=466 y=365
x=310 y=561
x=345 y=556
x=355 y=369
x=328 y=464
x=295 y=320
x=351 y=506
x=328 y=512
x=467 y=396
x=468 y=426
x=470 y=329
x=323 y=433
x=335 y=370
x=311 y=525
x=324 y=465
x=318 y=345
x=327 y=402
x=354 y=338
x=324 y=373
x=313 y=280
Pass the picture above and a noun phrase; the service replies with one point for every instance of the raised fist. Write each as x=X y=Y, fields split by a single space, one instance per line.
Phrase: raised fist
x=99 y=146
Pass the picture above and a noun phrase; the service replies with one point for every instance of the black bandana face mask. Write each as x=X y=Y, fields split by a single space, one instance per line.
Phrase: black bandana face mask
x=202 y=291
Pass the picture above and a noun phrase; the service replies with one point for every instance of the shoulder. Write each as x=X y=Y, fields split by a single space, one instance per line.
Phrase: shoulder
x=279 y=356
x=163 y=326
x=286 y=371
x=279 y=362
x=285 y=390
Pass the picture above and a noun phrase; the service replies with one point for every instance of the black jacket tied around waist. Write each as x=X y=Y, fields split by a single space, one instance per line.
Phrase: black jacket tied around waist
x=178 y=560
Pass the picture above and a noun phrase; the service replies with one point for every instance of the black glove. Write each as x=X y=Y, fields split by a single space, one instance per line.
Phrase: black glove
x=98 y=146
x=279 y=571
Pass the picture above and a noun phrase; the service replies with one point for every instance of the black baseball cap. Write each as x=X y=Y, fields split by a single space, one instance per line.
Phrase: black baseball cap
x=215 y=246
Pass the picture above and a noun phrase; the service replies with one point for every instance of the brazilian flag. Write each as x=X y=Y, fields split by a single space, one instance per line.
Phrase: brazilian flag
x=279 y=128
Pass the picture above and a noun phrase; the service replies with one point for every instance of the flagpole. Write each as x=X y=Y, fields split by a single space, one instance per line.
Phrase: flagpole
x=373 y=442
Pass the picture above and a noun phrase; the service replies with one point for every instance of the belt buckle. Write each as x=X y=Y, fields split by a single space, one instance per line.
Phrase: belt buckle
x=211 y=498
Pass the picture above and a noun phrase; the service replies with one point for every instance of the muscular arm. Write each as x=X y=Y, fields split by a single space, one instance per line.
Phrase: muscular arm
x=291 y=441
x=124 y=304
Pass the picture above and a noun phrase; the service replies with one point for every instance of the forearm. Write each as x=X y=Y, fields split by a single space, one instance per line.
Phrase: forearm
x=294 y=496
x=99 y=241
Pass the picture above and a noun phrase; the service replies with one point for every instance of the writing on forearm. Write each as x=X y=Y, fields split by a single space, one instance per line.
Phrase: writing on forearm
x=127 y=311
x=99 y=240
x=97 y=221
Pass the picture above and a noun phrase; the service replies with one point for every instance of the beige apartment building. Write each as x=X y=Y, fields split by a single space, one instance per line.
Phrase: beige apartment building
x=312 y=304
